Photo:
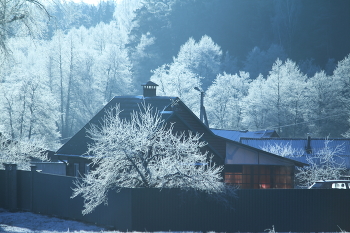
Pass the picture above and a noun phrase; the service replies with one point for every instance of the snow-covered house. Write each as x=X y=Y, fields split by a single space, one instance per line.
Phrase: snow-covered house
x=246 y=166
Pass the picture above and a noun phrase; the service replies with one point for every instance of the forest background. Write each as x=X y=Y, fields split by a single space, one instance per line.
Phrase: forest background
x=271 y=64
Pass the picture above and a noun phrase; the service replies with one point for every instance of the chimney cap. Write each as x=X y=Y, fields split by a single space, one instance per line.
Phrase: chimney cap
x=149 y=83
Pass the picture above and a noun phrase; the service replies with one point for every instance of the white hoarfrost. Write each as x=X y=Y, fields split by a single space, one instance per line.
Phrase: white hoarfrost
x=145 y=152
x=21 y=152
x=325 y=164
x=284 y=150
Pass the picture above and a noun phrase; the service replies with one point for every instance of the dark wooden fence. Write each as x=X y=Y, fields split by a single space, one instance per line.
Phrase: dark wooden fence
x=172 y=210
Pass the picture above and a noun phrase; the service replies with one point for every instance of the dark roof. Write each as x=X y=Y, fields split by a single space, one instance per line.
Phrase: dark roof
x=236 y=135
x=300 y=145
x=77 y=145
x=172 y=109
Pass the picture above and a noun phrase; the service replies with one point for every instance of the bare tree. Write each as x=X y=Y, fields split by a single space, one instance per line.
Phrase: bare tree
x=145 y=152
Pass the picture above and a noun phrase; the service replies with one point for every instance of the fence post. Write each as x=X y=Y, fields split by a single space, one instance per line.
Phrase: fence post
x=32 y=174
x=11 y=186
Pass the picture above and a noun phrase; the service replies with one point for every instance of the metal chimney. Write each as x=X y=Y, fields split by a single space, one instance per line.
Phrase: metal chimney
x=149 y=89
x=308 y=148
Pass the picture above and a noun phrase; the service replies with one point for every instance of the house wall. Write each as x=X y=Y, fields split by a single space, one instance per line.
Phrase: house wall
x=252 y=169
x=236 y=154
x=57 y=168
x=81 y=163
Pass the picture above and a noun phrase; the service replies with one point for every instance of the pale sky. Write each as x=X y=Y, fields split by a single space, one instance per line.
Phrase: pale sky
x=95 y=2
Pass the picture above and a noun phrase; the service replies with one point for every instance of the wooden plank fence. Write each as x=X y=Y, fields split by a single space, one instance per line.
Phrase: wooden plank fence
x=295 y=210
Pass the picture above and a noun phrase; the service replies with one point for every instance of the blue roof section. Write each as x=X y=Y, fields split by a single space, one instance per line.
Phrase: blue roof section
x=300 y=145
x=236 y=135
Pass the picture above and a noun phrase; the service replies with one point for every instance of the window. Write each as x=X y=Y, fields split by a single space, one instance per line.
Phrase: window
x=76 y=169
x=259 y=176
x=87 y=168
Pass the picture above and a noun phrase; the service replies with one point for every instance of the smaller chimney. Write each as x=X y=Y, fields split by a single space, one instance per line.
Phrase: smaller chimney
x=149 y=89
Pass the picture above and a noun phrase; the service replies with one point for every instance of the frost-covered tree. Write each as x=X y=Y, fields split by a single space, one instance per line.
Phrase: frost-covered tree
x=202 y=58
x=255 y=105
x=28 y=109
x=143 y=56
x=278 y=101
x=125 y=14
x=114 y=72
x=224 y=100
x=177 y=80
x=342 y=77
x=325 y=112
x=20 y=17
x=145 y=152
x=86 y=68
x=325 y=164
x=196 y=65
x=21 y=152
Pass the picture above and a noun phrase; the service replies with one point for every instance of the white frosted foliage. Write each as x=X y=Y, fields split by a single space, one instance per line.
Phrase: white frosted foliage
x=145 y=152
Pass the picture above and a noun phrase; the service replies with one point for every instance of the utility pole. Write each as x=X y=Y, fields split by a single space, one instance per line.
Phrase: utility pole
x=202 y=113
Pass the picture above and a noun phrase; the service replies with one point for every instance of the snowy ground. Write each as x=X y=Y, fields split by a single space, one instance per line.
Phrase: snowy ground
x=36 y=223
x=29 y=222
